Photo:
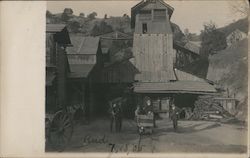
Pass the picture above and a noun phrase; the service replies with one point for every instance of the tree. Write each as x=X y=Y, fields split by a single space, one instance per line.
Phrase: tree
x=239 y=7
x=67 y=14
x=105 y=16
x=82 y=15
x=187 y=35
x=212 y=39
x=48 y=14
x=102 y=28
x=74 y=26
x=125 y=16
x=92 y=16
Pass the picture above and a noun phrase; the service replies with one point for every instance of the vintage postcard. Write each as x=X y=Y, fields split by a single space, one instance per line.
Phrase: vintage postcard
x=141 y=78
x=148 y=76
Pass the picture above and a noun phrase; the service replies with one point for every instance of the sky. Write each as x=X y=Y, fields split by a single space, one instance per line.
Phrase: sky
x=191 y=14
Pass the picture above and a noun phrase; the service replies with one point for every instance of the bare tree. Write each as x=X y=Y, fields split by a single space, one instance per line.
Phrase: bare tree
x=240 y=7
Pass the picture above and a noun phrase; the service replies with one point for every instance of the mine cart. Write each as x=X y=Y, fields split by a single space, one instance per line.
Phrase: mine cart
x=145 y=123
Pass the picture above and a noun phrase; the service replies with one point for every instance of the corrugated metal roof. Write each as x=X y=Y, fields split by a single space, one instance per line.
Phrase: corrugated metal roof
x=83 y=45
x=80 y=70
x=53 y=28
x=195 y=87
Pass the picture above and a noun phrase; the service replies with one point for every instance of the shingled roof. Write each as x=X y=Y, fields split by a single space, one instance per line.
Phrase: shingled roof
x=83 y=45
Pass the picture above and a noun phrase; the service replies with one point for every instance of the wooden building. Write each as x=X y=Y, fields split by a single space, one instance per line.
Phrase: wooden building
x=183 y=56
x=157 y=58
x=57 y=67
x=194 y=46
x=111 y=39
x=85 y=63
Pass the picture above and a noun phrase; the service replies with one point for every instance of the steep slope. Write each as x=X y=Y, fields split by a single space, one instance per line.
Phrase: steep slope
x=241 y=24
x=229 y=70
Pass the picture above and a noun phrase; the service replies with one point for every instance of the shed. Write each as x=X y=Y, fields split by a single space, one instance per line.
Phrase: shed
x=83 y=56
x=85 y=66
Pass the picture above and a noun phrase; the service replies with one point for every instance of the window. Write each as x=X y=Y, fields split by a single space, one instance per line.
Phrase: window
x=144 y=28
x=160 y=14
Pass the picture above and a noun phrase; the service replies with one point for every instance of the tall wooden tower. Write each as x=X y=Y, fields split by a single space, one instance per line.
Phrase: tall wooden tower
x=153 y=41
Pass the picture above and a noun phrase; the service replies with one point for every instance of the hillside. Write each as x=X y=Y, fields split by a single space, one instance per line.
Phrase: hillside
x=241 y=24
x=228 y=69
x=85 y=25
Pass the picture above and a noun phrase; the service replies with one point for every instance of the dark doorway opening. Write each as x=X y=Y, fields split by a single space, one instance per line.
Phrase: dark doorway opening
x=144 y=28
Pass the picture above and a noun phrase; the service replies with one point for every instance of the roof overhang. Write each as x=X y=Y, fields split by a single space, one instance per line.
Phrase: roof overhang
x=190 y=87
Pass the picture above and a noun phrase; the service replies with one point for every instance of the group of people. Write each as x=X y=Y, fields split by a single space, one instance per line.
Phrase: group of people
x=116 y=114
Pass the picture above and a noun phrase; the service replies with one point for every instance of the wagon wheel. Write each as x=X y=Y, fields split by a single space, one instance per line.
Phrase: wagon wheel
x=61 y=130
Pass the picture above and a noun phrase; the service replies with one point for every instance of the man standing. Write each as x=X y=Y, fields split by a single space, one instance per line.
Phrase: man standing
x=149 y=109
x=174 y=117
x=112 y=116
x=118 y=123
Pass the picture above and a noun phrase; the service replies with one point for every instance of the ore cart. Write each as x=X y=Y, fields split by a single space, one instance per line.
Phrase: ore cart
x=145 y=123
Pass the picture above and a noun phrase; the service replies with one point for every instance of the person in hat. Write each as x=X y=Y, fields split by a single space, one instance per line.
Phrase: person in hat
x=174 y=116
x=148 y=109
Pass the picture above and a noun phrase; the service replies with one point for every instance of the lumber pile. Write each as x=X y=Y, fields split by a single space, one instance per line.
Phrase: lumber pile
x=206 y=108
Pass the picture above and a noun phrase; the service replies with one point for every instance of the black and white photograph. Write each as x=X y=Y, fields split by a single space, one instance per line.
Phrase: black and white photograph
x=146 y=76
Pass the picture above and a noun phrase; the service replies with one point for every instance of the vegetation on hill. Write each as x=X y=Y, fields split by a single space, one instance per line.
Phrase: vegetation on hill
x=212 y=39
x=228 y=69
x=91 y=25
x=241 y=25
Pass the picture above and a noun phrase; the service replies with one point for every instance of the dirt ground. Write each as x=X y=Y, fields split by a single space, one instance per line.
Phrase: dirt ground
x=192 y=136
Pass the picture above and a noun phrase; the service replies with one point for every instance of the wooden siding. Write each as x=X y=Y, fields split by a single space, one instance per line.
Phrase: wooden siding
x=148 y=6
x=50 y=50
x=159 y=26
x=153 y=57
x=182 y=59
x=123 y=72
x=61 y=72
x=159 y=14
